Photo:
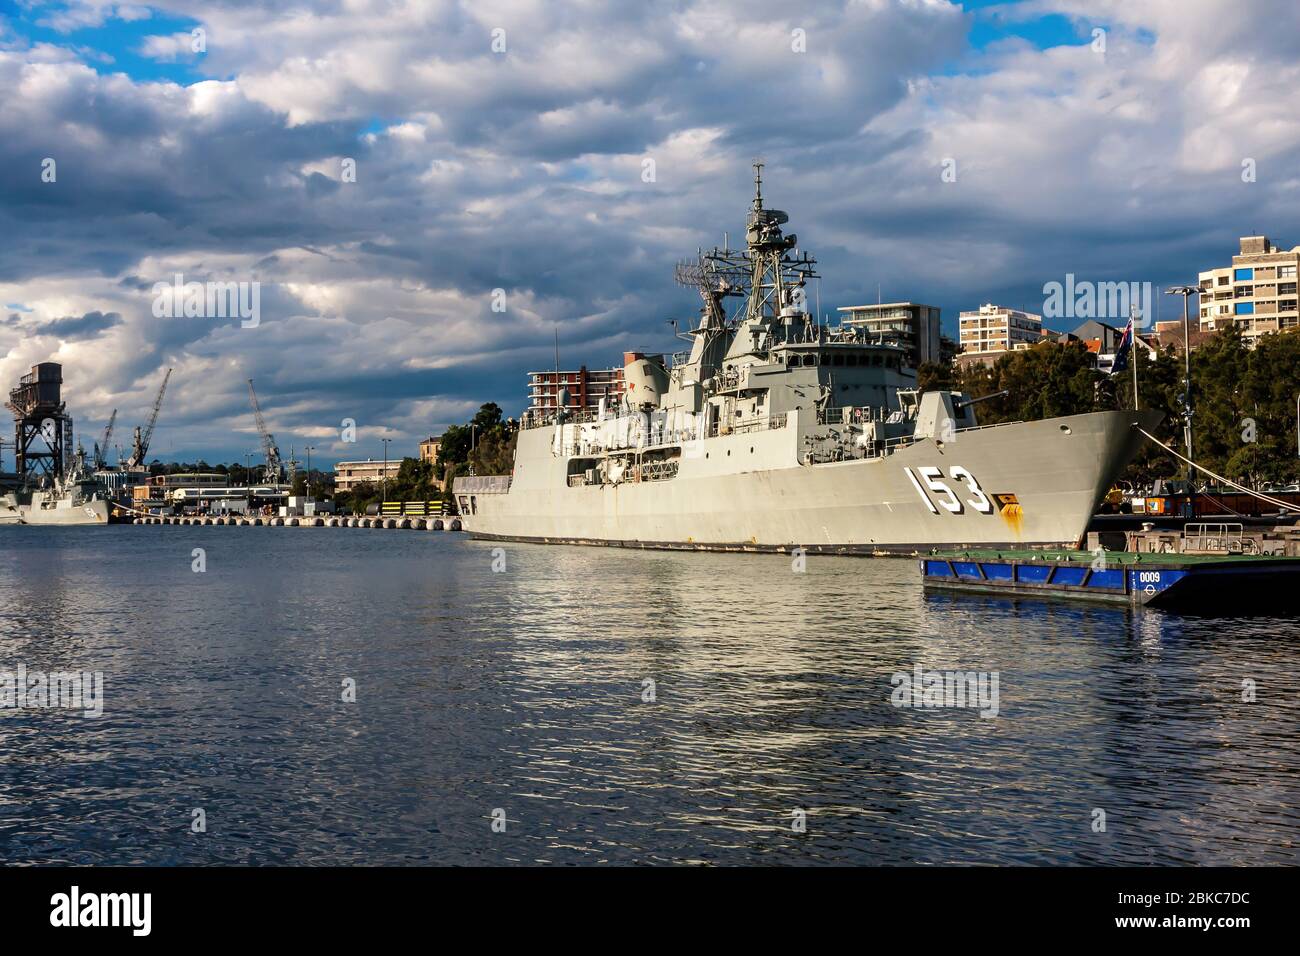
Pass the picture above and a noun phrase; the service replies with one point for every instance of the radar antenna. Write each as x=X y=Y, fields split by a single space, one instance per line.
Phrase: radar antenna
x=711 y=286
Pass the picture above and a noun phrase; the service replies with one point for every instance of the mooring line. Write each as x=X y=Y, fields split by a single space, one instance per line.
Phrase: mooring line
x=1227 y=481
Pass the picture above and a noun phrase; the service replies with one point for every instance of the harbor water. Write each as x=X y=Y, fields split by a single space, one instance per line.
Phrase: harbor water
x=561 y=705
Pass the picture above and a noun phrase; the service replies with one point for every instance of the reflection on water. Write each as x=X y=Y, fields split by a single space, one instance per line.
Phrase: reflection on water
x=524 y=691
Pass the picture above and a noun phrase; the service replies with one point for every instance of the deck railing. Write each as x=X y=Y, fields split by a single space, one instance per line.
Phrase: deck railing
x=482 y=484
x=758 y=425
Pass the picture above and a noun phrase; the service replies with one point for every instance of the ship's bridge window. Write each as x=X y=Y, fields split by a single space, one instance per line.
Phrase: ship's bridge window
x=875 y=360
x=838 y=359
x=851 y=359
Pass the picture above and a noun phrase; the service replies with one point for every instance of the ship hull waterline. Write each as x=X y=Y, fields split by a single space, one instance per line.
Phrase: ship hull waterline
x=1056 y=471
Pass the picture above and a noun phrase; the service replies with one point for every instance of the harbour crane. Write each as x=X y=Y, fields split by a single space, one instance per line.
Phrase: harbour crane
x=271 y=472
x=101 y=446
x=142 y=437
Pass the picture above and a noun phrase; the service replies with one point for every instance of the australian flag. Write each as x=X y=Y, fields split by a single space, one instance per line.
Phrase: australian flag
x=1122 y=352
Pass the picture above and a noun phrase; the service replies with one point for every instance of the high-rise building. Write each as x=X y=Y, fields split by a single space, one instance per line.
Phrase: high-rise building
x=991 y=330
x=586 y=387
x=1257 y=292
x=909 y=323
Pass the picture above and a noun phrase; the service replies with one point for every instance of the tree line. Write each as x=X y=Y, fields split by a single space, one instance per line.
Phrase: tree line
x=1244 y=400
x=484 y=445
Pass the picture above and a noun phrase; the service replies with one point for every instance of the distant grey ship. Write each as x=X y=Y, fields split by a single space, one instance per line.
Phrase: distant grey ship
x=78 y=500
x=776 y=432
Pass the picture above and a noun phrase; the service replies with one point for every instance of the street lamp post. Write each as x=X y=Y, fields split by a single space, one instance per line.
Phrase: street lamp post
x=1186 y=291
x=383 y=489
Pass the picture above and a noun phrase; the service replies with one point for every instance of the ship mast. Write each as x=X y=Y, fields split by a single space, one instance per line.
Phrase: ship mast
x=766 y=274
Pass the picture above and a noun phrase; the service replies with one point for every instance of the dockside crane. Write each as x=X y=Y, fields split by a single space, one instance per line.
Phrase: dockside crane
x=142 y=437
x=271 y=470
x=101 y=446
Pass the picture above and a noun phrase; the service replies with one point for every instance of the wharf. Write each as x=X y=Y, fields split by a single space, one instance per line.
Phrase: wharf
x=310 y=521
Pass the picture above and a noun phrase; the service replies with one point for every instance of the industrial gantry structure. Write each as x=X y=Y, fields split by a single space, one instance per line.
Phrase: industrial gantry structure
x=43 y=443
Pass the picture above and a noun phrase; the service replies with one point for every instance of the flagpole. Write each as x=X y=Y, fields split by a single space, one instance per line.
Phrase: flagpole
x=1133 y=348
x=1136 y=405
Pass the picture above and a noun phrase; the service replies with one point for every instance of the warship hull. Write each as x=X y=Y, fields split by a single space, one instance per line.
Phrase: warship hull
x=54 y=511
x=1019 y=484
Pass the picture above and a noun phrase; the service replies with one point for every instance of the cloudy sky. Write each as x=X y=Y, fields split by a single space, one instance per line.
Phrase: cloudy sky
x=503 y=144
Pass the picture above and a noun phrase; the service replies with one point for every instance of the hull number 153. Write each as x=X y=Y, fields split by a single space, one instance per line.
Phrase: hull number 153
x=941 y=495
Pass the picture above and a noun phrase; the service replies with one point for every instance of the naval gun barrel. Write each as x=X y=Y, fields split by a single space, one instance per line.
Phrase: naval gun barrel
x=960 y=406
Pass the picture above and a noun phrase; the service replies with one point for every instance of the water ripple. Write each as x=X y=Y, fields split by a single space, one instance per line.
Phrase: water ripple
x=525 y=691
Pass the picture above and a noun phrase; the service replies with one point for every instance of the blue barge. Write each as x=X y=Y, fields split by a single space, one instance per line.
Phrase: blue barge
x=1237 y=584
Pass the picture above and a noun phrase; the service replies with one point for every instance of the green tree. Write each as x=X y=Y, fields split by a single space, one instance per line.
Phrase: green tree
x=1159 y=385
x=488 y=416
x=1041 y=382
x=455 y=446
x=936 y=377
x=486 y=444
x=494 y=454
x=362 y=494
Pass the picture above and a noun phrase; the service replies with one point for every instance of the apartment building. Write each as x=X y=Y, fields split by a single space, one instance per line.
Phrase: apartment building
x=1257 y=292
x=349 y=474
x=585 y=387
x=909 y=323
x=1169 y=334
x=991 y=330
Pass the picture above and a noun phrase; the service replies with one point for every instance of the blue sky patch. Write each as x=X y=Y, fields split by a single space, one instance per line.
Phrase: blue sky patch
x=118 y=42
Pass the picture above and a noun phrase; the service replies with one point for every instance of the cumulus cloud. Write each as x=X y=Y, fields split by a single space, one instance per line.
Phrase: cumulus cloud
x=86 y=326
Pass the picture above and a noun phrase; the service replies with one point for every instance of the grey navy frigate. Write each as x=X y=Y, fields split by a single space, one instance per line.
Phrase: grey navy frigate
x=73 y=499
x=776 y=431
